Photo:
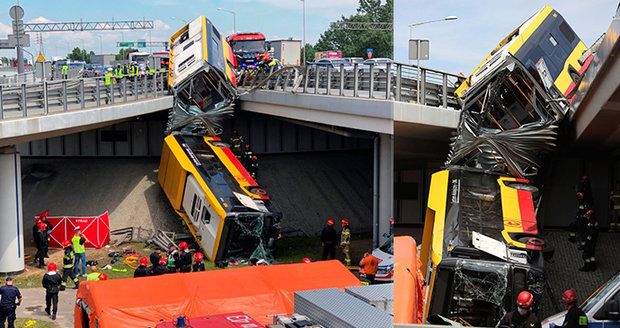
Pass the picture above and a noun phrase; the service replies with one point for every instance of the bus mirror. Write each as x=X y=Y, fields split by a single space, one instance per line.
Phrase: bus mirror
x=613 y=310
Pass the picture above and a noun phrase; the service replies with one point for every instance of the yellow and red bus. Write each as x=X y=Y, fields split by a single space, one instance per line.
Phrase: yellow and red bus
x=546 y=45
x=224 y=208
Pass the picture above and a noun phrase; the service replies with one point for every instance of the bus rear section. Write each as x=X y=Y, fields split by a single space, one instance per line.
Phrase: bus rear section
x=480 y=245
x=229 y=220
x=201 y=77
x=546 y=45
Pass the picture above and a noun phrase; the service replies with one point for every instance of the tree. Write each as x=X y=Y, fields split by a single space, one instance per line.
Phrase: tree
x=80 y=55
x=310 y=51
x=123 y=53
x=353 y=43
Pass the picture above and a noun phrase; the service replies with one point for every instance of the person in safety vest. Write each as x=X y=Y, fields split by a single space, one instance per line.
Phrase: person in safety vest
x=67 y=266
x=345 y=241
x=118 y=72
x=64 y=70
x=108 y=80
x=79 y=249
x=94 y=274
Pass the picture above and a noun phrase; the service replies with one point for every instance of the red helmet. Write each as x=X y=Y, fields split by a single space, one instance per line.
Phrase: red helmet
x=569 y=296
x=66 y=244
x=391 y=221
x=580 y=195
x=144 y=261
x=183 y=245
x=42 y=226
x=52 y=267
x=198 y=257
x=589 y=213
x=525 y=300
x=331 y=222
x=306 y=260
x=162 y=261
x=344 y=222
x=102 y=276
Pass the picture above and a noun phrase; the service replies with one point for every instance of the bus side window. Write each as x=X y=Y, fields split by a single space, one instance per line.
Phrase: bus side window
x=567 y=32
x=193 y=205
x=206 y=216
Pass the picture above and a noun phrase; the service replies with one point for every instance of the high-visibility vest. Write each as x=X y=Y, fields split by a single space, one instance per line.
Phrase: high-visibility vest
x=65 y=69
x=118 y=72
x=93 y=276
x=77 y=248
x=108 y=78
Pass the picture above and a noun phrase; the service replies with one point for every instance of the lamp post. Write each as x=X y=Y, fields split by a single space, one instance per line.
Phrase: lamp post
x=411 y=26
x=304 y=31
x=234 y=18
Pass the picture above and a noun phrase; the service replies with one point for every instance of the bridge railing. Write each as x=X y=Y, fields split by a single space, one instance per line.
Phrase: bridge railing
x=43 y=98
x=393 y=81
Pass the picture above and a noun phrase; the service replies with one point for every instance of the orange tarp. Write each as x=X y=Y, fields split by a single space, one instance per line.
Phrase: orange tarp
x=258 y=291
x=409 y=292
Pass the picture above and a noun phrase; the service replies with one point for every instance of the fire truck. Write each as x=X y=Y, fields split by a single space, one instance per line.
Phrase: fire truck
x=246 y=46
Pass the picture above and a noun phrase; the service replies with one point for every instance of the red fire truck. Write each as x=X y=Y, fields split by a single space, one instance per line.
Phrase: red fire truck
x=246 y=46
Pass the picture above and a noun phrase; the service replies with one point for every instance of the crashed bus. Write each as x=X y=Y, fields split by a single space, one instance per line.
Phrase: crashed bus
x=481 y=244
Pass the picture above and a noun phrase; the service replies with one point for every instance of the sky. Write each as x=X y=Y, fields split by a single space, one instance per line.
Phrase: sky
x=460 y=45
x=276 y=18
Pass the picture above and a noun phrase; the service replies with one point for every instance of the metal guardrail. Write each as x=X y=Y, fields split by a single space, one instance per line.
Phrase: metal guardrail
x=395 y=81
x=43 y=98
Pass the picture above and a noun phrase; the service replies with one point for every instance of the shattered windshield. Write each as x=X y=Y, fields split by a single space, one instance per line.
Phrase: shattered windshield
x=249 y=237
x=388 y=246
x=479 y=292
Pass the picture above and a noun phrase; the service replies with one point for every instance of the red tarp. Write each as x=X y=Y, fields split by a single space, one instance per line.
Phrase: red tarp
x=230 y=320
x=258 y=291
x=96 y=229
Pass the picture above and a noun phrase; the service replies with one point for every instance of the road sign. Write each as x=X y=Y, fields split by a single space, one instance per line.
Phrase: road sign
x=24 y=40
x=16 y=12
x=423 y=45
x=125 y=44
x=40 y=58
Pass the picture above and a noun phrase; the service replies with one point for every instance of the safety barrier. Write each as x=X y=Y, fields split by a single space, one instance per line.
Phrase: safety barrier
x=392 y=81
x=43 y=98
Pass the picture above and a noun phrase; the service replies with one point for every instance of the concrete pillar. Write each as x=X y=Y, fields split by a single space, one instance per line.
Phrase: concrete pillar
x=11 y=223
x=383 y=186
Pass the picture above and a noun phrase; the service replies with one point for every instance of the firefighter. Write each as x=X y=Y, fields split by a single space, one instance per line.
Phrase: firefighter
x=10 y=299
x=614 y=198
x=154 y=257
x=306 y=260
x=125 y=70
x=48 y=229
x=236 y=141
x=345 y=241
x=118 y=72
x=42 y=236
x=102 y=277
x=51 y=282
x=523 y=317
x=577 y=226
x=575 y=317
x=143 y=270
x=584 y=187
x=246 y=158
x=67 y=266
x=184 y=262
x=369 y=265
x=253 y=170
x=590 y=239
x=329 y=240
x=36 y=237
x=199 y=264
x=173 y=257
x=161 y=268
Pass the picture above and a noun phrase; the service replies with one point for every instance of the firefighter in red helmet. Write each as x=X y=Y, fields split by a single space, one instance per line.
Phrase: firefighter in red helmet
x=67 y=266
x=575 y=317
x=184 y=263
x=345 y=241
x=329 y=240
x=523 y=317
x=199 y=262
x=51 y=282
x=143 y=270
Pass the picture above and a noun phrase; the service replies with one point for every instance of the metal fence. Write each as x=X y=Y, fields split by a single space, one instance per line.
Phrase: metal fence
x=395 y=81
x=42 y=98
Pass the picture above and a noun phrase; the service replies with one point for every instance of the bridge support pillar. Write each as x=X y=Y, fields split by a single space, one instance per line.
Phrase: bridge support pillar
x=383 y=186
x=11 y=223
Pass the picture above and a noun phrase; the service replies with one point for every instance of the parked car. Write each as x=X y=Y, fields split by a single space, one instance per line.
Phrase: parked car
x=602 y=307
x=354 y=60
x=333 y=64
x=378 y=64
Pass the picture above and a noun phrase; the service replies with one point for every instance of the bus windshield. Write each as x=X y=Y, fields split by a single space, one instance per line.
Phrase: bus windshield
x=249 y=237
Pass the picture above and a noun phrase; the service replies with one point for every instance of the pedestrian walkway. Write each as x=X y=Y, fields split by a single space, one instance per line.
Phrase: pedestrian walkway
x=33 y=306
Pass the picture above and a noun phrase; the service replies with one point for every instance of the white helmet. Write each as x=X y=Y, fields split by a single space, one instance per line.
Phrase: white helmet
x=109 y=69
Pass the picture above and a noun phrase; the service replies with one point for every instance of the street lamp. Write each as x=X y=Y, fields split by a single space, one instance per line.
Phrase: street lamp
x=304 y=31
x=234 y=18
x=411 y=26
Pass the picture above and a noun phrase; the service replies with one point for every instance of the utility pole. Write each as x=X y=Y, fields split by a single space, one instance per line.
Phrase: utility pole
x=304 y=31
